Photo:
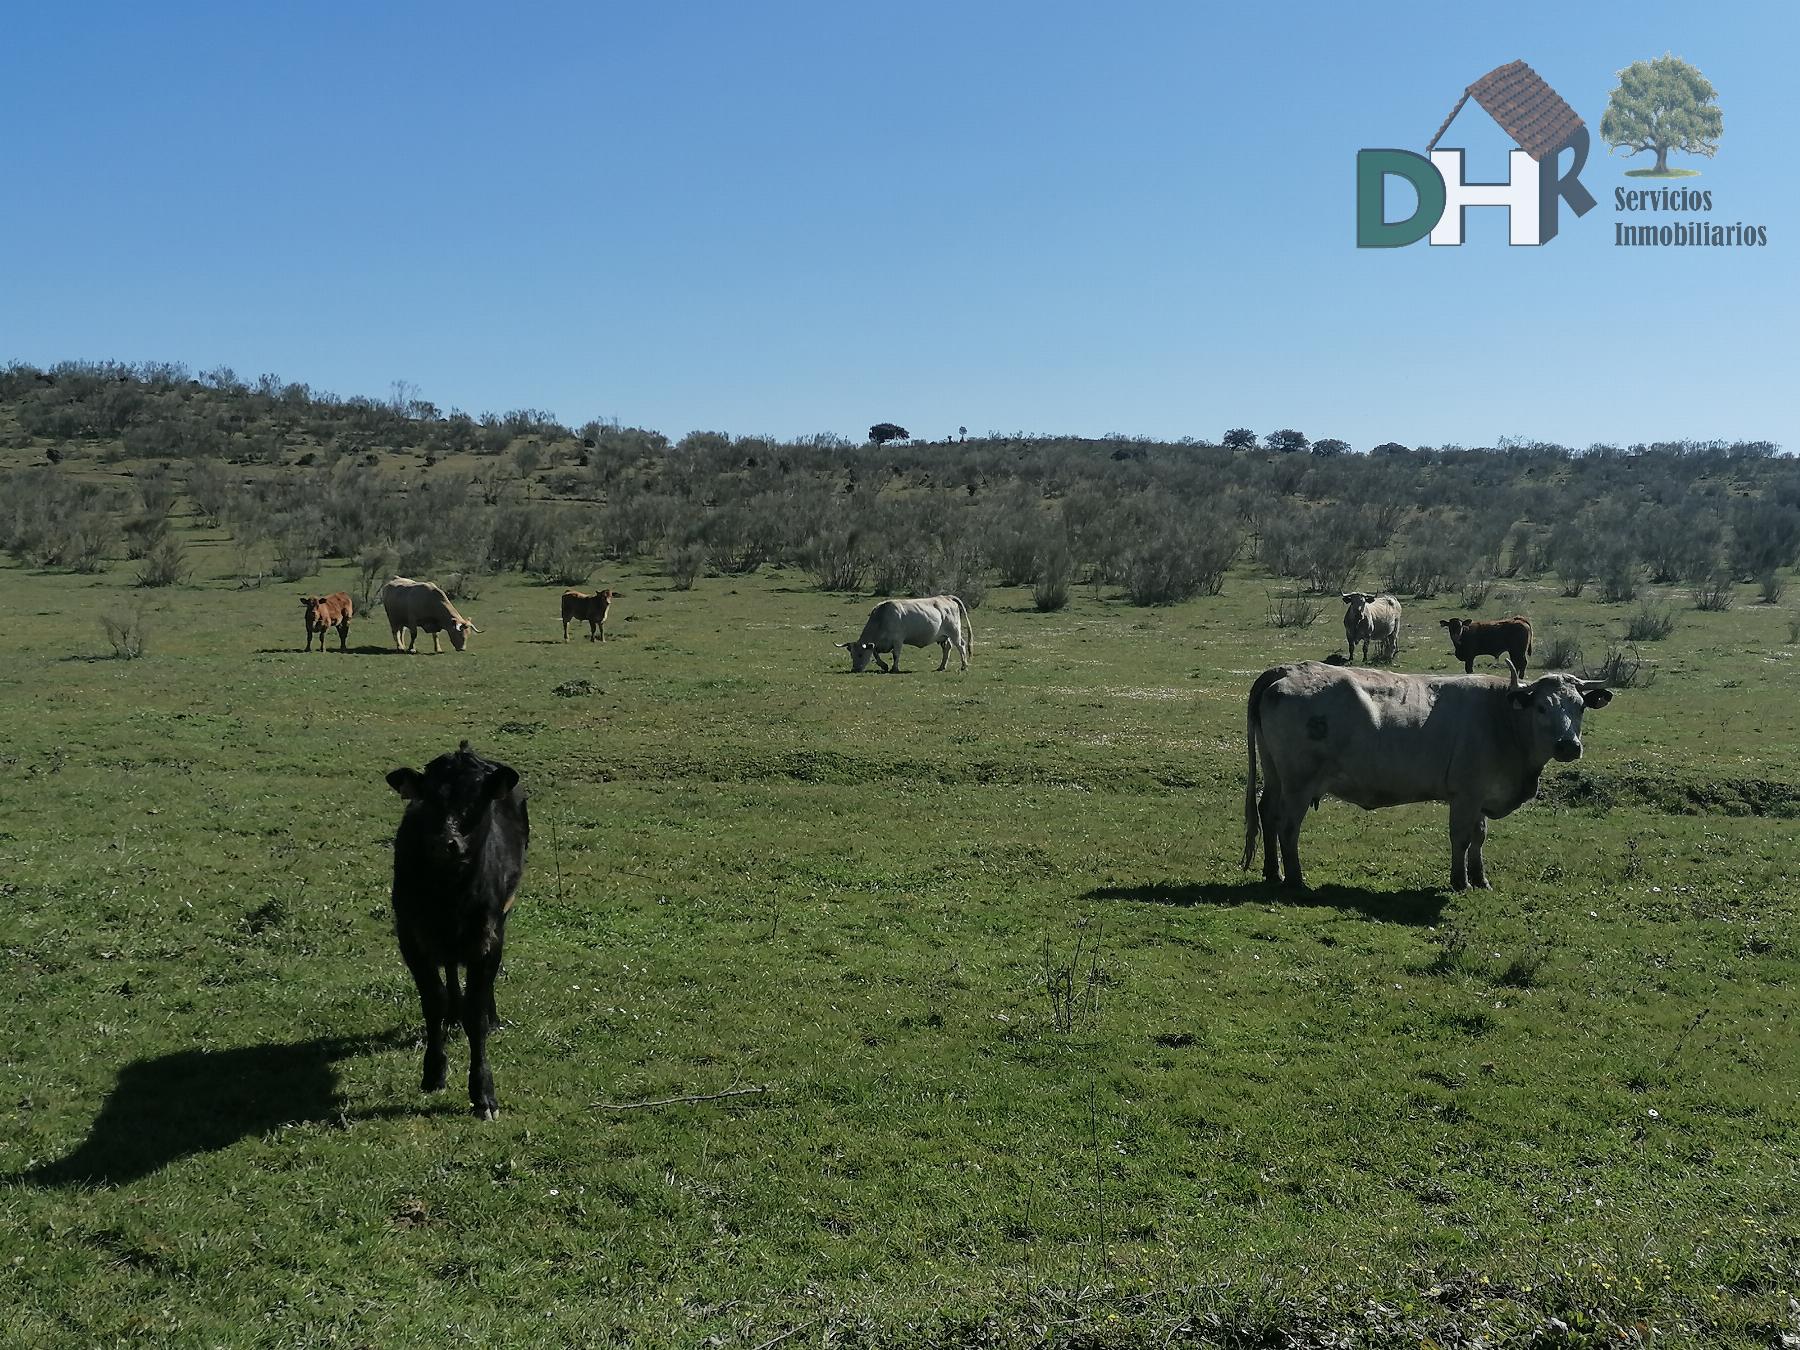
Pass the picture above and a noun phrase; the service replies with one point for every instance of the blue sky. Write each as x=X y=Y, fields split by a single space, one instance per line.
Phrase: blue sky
x=786 y=218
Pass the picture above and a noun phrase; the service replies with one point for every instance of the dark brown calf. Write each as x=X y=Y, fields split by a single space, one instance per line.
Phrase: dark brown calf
x=1490 y=637
x=458 y=856
x=325 y=612
x=589 y=608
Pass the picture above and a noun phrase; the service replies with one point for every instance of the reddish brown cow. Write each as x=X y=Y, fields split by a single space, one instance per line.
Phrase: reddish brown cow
x=1490 y=637
x=591 y=608
x=325 y=612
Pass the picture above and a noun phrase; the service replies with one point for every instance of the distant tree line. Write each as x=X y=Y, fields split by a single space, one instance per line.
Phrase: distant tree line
x=298 y=476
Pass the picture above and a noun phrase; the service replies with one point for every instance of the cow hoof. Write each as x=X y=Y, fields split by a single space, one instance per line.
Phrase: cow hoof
x=483 y=1111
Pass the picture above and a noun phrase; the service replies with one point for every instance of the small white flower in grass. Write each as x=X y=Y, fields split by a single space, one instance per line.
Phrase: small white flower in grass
x=553 y=1190
x=1653 y=1114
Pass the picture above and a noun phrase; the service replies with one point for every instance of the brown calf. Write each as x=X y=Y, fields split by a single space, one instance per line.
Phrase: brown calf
x=325 y=612
x=591 y=608
x=1490 y=637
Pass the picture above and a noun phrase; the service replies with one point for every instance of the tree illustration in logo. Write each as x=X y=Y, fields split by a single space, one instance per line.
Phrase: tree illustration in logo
x=1663 y=105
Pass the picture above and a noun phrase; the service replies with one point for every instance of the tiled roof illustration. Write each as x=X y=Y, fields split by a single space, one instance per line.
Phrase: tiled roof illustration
x=1527 y=109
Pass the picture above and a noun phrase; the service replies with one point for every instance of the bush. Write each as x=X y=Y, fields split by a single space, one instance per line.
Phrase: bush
x=1050 y=592
x=1294 y=610
x=568 y=559
x=1649 y=625
x=1178 y=555
x=1561 y=649
x=684 y=565
x=127 y=629
x=1771 y=587
x=903 y=568
x=838 y=561
x=164 y=565
x=143 y=533
x=1476 y=591
x=294 y=560
x=1422 y=568
x=1717 y=591
x=1623 y=668
x=461 y=585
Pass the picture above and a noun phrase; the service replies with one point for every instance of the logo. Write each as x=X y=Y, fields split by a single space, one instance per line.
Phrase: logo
x=1540 y=123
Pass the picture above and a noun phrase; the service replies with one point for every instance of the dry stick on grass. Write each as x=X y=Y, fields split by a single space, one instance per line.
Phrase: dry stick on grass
x=676 y=1101
x=777 y=1340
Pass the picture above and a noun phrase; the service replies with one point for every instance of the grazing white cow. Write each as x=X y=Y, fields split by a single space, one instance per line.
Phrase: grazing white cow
x=1371 y=618
x=1375 y=738
x=942 y=619
x=414 y=605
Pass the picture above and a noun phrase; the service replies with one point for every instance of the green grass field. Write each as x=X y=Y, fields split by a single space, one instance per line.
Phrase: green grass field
x=1041 y=1063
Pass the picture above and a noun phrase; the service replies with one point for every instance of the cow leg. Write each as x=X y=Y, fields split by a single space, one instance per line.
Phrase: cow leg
x=1292 y=813
x=434 y=1003
x=600 y=630
x=945 y=644
x=893 y=669
x=343 y=636
x=435 y=649
x=1469 y=666
x=1268 y=812
x=475 y=1022
x=1478 y=869
x=565 y=628
x=1468 y=827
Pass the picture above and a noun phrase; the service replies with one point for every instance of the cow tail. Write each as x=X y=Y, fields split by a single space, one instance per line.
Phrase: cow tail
x=968 y=628
x=1252 y=721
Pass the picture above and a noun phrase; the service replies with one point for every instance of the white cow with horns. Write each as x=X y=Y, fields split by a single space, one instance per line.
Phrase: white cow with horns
x=1375 y=738
x=943 y=619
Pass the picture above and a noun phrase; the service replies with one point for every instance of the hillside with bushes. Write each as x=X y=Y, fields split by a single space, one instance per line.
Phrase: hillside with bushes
x=97 y=457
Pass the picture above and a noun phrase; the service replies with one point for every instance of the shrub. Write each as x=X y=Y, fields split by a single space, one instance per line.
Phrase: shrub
x=903 y=568
x=1423 y=567
x=373 y=567
x=1649 y=625
x=1623 y=668
x=839 y=561
x=1050 y=592
x=1560 y=649
x=1771 y=587
x=127 y=629
x=1476 y=591
x=461 y=585
x=293 y=559
x=143 y=533
x=569 y=559
x=684 y=565
x=1176 y=553
x=1716 y=591
x=164 y=565
x=1619 y=577
x=1294 y=610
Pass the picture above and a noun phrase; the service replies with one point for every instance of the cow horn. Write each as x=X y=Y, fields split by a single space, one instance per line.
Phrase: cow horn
x=1512 y=672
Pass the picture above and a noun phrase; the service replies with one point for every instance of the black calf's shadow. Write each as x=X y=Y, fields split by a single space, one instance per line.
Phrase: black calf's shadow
x=1415 y=907
x=200 y=1101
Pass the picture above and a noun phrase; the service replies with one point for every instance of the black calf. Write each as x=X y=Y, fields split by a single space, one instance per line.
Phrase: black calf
x=458 y=857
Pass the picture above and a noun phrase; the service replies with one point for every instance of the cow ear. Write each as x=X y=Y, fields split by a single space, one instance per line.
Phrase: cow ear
x=1596 y=698
x=501 y=781
x=1348 y=596
x=409 y=783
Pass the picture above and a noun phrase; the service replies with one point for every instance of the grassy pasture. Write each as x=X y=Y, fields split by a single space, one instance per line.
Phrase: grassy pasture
x=1042 y=1064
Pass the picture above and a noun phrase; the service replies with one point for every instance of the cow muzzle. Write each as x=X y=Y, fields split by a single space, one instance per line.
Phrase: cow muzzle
x=1568 y=751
